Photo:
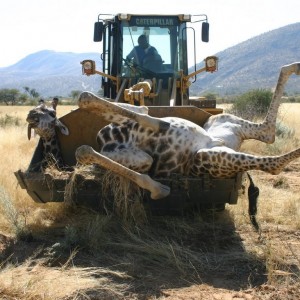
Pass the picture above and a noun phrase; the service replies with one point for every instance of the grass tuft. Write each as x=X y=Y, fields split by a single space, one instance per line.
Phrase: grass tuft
x=16 y=220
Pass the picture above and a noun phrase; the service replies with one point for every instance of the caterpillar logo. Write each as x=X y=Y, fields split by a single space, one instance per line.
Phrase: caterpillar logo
x=154 y=22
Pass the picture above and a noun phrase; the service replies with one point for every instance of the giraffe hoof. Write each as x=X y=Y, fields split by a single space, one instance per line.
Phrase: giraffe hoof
x=160 y=192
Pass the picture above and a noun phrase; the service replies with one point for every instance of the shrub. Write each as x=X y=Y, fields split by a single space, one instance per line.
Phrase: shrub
x=252 y=105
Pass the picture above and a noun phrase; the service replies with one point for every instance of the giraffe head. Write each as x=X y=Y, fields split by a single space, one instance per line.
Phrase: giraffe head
x=43 y=120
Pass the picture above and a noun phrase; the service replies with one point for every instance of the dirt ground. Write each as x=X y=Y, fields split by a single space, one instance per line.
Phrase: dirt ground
x=237 y=262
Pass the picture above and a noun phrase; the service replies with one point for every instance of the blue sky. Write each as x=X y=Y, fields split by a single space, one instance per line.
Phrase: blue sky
x=28 y=26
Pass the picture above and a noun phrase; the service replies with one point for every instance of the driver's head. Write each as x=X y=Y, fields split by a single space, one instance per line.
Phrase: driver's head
x=142 y=40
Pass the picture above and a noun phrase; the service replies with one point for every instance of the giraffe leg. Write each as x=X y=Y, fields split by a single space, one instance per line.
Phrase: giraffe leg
x=225 y=163
x=265 y=131
x=267 y=127
x=130 y=157
x=237 y=129
x=87 y=155
x=112 y=112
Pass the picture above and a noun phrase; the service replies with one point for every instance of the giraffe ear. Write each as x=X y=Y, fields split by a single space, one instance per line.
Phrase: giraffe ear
x=63 y=128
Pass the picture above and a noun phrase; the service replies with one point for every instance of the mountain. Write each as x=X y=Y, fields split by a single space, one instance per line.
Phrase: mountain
x=51 y=73
x=254 y=63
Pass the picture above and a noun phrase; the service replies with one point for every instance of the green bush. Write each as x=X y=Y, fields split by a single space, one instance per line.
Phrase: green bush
x=252 y=104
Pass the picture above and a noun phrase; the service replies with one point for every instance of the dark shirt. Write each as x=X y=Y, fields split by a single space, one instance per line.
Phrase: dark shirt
x=140 y=54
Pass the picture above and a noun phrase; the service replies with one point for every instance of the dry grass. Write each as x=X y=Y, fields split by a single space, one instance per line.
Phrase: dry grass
x=33 y=280
x=276 y=205
x=79 y=254
x=15 y=153
x=127 y=196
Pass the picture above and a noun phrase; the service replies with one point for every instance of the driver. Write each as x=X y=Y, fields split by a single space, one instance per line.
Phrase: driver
x=144 y=54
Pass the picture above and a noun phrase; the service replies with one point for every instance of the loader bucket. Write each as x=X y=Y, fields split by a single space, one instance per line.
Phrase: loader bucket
x=187 y=193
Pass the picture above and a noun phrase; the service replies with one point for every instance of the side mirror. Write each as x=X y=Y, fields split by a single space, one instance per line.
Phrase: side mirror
x=205 y=32
x=98 y=30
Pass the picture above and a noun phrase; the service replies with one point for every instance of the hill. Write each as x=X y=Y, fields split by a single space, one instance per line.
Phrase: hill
x=254 y=63
x=50 y=73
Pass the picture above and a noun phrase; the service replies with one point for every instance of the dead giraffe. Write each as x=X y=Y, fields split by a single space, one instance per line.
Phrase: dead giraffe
x=136 y=142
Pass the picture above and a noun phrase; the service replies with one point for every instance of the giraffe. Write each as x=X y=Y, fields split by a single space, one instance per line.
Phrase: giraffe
x=43 y=120
x=138 y=146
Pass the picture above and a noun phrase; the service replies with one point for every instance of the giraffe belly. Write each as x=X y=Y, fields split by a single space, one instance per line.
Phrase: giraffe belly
x=171 y=150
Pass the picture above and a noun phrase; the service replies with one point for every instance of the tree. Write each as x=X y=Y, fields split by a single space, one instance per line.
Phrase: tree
x=210 y=96
x=31 y=92
x=75 y=94
x=9 y=96
x=34 y=93
x=27 y=90
x=22 y=98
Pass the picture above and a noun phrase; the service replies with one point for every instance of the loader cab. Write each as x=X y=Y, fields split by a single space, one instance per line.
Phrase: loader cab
x=167 y=34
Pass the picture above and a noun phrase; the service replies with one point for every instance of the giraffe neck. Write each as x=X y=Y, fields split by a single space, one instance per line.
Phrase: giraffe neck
x=51 y=151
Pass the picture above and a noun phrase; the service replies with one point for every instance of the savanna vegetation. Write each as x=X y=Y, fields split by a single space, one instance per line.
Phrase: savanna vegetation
x=30 y=96
x=57 y=251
